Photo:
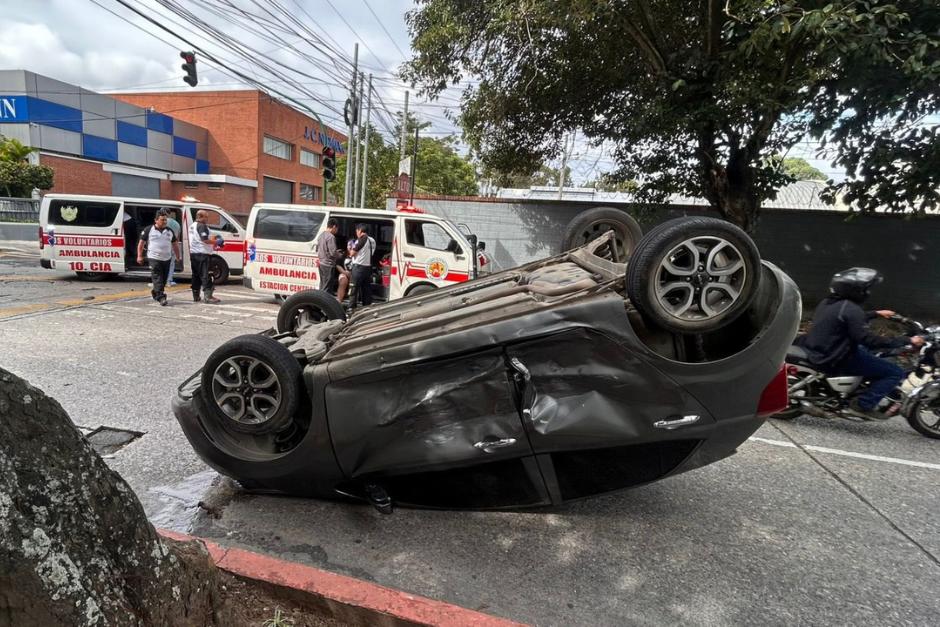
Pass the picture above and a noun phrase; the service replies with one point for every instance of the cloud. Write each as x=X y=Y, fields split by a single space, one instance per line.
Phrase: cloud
x=35 y=47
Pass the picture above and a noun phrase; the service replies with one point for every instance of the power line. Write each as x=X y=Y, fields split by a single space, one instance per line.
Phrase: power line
x=388 y=34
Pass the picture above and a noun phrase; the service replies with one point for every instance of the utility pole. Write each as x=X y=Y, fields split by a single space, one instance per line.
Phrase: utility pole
x=414 y=164
x=365 y=152
x=350 y=121
x=355 y=185
x=565 y=152
x=404 y=129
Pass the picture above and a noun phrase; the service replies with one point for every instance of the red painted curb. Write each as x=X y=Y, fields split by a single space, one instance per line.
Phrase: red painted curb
x=369 y=602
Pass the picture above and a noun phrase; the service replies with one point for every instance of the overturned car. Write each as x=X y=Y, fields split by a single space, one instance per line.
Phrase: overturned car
x=564 y=378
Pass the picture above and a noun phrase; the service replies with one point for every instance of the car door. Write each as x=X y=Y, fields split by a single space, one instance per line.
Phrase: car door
x=86 y=235
x=430 y=255
x=221 y=225
x=442 y=433
x=597 y=415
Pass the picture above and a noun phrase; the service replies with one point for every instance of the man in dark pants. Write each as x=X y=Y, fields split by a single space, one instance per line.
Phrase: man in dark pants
x=362 y=250
x=162 y=246
x=328 y=256
x=200 y=251
x=837 y=342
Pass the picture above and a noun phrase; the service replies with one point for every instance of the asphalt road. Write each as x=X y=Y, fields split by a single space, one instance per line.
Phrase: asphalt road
x=812 y=522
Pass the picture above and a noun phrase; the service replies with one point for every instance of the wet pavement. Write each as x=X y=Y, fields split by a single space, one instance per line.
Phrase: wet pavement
x=812 y=522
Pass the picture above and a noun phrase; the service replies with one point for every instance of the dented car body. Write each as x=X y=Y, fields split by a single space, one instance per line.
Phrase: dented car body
x=534 y=386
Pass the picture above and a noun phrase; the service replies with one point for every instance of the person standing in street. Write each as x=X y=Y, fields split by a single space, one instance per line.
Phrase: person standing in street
x=332 y=279
x=162 y=246
x=200 y=251
x=363 y=250
x=173 y=223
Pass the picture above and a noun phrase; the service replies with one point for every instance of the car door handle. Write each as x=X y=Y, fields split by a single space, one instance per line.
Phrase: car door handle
x=678 y=422
x=487 y=446
x=408 y=255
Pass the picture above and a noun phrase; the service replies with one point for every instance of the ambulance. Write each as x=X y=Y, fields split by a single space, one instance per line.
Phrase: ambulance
x=96 y=236
x=415 y=252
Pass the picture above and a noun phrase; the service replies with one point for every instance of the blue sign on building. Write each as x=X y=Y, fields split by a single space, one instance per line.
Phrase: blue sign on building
x=13 y=109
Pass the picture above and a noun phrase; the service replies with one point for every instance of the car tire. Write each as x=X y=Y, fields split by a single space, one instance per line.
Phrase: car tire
x=422 y=288
x=591 y=224
x=93 y=276
x=693 y=275
x=218 y=270
x=916 y=418
x=308 y=307
x=252 y=384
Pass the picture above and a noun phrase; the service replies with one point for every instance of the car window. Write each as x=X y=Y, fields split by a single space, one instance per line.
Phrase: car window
x=290 y=226
x=220 y=222
x=427 y=235
x=82 y=212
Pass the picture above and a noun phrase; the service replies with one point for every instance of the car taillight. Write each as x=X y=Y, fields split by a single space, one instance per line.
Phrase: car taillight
x=42 y=244
x=774 y=397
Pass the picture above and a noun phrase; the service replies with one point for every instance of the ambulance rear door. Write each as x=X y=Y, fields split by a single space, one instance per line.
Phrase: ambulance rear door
x=281 y=253
x=85 y=235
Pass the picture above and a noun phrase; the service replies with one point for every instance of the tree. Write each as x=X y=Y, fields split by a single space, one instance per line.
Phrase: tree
x=440 y=168
x=607 y=183
x=697 y=97
x=544 y=176
x=75 y=545
x=17 y=177
x=799 y=169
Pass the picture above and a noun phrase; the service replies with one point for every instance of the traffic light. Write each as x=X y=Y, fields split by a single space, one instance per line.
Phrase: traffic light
x=190 y=68
x=329 y=163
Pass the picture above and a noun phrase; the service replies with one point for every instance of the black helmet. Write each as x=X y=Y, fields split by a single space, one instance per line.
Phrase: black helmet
x=854 y=283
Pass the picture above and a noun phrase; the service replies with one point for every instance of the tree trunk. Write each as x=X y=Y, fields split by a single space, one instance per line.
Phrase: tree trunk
x=731 y=192
x=75 y=545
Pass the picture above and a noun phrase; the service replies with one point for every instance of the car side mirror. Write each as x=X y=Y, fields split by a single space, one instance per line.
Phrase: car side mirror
x=472 y=239
x=481 y=246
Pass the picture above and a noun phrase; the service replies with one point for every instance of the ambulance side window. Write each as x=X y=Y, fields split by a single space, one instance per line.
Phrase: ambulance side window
x=429 y=235
x=219 y=222
x=291 y=226
x=82 y=213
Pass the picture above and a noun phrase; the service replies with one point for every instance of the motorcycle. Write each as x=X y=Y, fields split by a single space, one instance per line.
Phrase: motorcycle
x=917 y=399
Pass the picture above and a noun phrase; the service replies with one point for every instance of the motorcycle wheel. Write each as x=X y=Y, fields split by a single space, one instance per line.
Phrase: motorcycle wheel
x=794 y=410
x=924 y=418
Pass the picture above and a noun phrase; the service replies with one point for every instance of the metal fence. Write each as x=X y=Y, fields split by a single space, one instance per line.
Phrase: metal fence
x=19 y=209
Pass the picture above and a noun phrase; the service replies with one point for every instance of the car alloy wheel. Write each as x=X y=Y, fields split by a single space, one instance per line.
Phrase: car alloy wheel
x=701 y=278
x=246 y=390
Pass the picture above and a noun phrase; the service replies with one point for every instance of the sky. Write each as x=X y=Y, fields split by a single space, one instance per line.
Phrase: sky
x=103 y=46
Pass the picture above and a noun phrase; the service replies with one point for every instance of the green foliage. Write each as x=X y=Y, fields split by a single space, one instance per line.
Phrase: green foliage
x=544 y=176
x=607 y=183
x=14 y=150
x=698 y=97
x=17 y=177
x=440 y=169
x=799 y=169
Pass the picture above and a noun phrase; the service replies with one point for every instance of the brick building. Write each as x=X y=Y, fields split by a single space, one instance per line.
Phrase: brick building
x=230 y=148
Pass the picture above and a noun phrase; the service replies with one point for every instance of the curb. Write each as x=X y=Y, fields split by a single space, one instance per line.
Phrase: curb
x=345 y=598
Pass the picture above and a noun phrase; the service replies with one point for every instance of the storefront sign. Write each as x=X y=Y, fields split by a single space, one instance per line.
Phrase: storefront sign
x=322 y=138
x=13 y=109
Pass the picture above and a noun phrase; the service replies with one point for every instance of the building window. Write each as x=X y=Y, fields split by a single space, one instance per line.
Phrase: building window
x=309 y=192
x=215 y=185
x=309 y=158
x=191 y=185
x=278 y=148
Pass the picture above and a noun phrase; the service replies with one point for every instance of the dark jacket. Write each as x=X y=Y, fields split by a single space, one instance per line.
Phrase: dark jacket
x=839 y=327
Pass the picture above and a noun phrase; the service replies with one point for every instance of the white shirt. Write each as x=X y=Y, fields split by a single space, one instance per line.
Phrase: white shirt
x=159 y=243
x=197 y=231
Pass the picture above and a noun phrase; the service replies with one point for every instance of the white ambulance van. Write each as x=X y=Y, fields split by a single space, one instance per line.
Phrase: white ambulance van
x=95 y=236
x=415 y=252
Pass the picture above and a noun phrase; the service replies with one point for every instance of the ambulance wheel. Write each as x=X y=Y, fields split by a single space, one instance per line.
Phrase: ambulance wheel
x=218 y=270
x=306 y=308
x=252 y=384
x=92 y=276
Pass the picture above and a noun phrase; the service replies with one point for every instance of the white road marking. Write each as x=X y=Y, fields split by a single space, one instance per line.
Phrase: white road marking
x=241 y=296
x=266 y=310
x=835 y=451
x=209 y=318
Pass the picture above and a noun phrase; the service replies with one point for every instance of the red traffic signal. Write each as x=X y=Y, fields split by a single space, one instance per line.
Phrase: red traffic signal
x=189 y=67
x=329 y=163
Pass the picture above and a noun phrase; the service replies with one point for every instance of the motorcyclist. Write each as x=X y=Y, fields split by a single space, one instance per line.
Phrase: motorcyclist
x=838 y=340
